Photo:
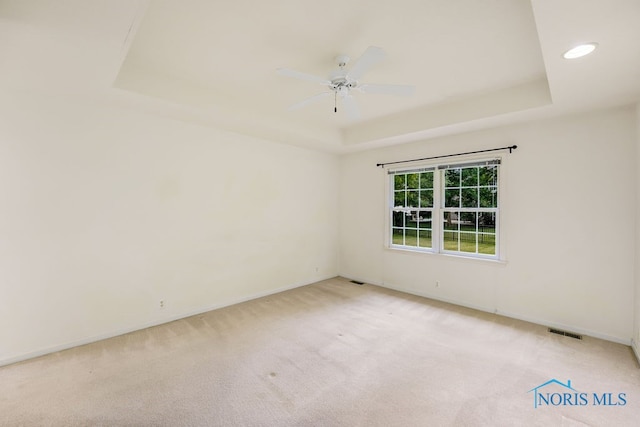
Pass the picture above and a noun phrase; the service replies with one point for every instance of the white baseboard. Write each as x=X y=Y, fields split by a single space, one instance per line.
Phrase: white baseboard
x=123 y=331
x=512 y=315
x=636 y=352
x=112 y=334
x=569 y=328
x=436 y=298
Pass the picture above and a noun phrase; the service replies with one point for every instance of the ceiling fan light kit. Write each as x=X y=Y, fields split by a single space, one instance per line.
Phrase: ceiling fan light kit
x=341 y=81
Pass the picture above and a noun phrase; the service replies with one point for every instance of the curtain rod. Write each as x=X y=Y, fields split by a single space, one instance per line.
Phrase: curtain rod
x=510 y=148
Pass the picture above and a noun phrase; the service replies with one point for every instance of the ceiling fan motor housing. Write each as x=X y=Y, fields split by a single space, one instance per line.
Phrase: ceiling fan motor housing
x=340 y=81
x=342 y=60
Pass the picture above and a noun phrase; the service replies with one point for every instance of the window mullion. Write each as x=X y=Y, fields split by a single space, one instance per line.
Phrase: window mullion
x=436 y=216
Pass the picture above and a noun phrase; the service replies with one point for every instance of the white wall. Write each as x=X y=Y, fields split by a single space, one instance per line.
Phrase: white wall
x=636 y=328
x=106 y=212
x=568 y=220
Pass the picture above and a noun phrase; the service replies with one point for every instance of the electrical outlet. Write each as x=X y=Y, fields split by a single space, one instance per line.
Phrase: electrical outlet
x=437 y=283
x=161 y=304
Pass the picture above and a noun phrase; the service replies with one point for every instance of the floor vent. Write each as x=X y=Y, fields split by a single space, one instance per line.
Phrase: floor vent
x=565 y=333
x=357 y=283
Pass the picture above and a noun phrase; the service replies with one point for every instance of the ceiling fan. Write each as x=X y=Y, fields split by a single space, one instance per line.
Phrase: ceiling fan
x=341 y=82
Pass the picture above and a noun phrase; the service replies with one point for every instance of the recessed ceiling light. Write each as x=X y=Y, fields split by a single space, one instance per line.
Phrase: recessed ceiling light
x=580 y=50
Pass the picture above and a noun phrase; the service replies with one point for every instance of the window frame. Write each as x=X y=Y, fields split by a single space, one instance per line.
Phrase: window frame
x=406 y=211
x=438 y=210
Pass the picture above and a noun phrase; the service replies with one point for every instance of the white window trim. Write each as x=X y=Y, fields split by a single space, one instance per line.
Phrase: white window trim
x=437 y=229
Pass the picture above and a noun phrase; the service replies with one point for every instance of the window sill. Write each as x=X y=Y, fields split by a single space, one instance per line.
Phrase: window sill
x=447 y=256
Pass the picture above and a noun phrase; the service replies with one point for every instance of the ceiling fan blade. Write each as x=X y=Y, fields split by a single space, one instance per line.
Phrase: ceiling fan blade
x=302 y=76
x=350 y=107
x=369 y=58
x=400 y=90
x=308 y=101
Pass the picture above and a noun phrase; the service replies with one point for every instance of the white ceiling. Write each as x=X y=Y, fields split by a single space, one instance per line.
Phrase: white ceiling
x=474 y=63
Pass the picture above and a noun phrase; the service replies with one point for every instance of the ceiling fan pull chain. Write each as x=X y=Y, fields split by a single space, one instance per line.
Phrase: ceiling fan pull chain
x=335 y=102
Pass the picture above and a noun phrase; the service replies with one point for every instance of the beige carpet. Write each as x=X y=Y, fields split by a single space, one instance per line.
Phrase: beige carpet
x=329 y=354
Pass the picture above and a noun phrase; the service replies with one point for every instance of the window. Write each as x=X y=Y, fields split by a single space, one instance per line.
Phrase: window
x=449 y=208
x=412 y=212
